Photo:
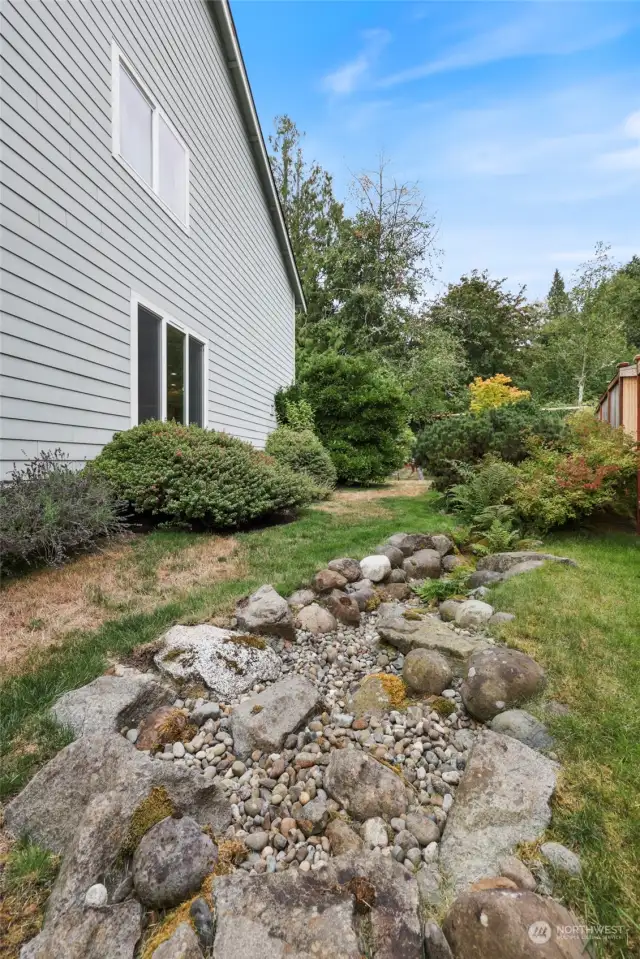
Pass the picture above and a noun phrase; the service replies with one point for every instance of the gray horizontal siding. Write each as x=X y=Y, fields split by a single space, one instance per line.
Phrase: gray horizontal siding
x=79 y=234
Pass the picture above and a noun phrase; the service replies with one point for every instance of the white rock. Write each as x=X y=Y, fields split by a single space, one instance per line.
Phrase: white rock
x=473 y=612
x=374 y=832
x=375 y=568
x=96 y=896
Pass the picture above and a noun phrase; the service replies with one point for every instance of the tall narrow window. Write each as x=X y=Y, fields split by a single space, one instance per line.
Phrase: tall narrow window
x=172 y=170
x=136 y=138
x=175 y=374
x=149 y=368
x=196 y=381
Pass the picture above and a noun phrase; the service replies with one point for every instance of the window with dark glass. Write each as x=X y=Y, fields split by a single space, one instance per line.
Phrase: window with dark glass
x=196 y=381
x=149 y=369
x=175 y=374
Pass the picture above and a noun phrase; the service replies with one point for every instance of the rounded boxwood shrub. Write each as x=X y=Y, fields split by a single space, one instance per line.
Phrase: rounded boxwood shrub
x=189 y=473
x=302 y=451
x=449 y=445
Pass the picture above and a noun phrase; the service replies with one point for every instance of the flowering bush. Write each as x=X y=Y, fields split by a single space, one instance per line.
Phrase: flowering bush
x=595 y=469
x=189 y=473
x=492 y=392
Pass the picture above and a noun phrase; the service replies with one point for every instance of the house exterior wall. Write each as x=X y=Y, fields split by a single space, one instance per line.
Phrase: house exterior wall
x=80 y=235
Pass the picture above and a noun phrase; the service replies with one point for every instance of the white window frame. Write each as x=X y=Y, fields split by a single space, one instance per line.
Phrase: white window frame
x=166 y=320
x=118 y=59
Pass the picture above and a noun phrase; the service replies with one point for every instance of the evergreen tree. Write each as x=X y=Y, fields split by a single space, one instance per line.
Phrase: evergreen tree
x=558 y=301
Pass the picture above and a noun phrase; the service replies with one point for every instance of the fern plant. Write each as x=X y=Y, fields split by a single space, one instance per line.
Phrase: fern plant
x=437 y=590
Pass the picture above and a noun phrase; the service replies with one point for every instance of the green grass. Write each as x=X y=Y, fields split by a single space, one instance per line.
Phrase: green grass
x=583 y=625
x=28 y=863
x=285 y=556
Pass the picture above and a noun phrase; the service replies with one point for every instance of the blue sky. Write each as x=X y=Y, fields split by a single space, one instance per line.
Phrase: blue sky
x=521 y=121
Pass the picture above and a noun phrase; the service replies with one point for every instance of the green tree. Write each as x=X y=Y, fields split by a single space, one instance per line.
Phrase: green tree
x=620 y=298
x=558 y=301
x=492 y=324
x=435 y=374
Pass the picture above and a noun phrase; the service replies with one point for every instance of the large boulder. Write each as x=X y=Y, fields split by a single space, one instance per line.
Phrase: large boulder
x=265 y=720
x=171 y=862
x=448 y=610
x=266 y=613
x=183 y=944
x=111 y=932
x=501 y=562
x=442 y=543
x=503 y=800
x=426 y=671
x=375 y=568
x=228 y=663
x=473 y=613
x=364 y=786
x=316 y=619
x=394 y=592
x=484 y=577
x=427 y=633
x=52 y=804
x=328 y=579
x=409 y=543
x=342 y=837
x=451 y=561
x=370 y=698
x=499 y=678
x=521 y=725
x=302 y=597
x=299 y=915
x=110 y=702
x=527 y=567
x=349 y=568
x=505 y=924
x=423 y=564
x=393 y=554
x=561 y=858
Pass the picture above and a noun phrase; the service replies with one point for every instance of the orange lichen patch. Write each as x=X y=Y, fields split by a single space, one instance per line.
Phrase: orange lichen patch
x=38 y=610
x=394 y=687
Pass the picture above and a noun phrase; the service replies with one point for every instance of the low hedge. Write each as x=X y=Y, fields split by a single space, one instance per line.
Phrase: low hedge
x=302 y=451
x=189 y=473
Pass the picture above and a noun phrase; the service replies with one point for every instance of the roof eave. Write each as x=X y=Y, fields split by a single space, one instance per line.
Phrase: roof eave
x=221 y=13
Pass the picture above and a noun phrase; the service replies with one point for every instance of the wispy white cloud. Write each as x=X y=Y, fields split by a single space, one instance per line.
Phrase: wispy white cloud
x=346 y=78
x=542 y=30
x=627 y=158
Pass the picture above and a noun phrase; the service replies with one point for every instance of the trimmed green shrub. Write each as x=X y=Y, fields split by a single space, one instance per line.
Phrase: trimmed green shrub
x=189 y=473
x=361 y=415
x=448 y=445
x=292 y=411
x=302 y=451
x=48 y=511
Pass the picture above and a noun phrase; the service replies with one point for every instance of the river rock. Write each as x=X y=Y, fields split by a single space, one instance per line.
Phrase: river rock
x=503 y=800
x=452 y=561
x=448 y=610
x=316 y=619
x=183 y=944
x=441 y=543
x=484 y=577
x=505 y=924
x=513 y=868
x=521 y=725
x=349 y=568
x=427 y=633
x=264 y=721
x=314 y=817
x=302 y=597
x=394 y=592
x=220 y=658
x=499 y=678
x=266 y=613
x=561 y=858
x=393 y=554
x=423 y=828
x=364 y=786
x=473 y=613
x=171 y=862
x=424 y=564
x=345 y=609
x=52 y=804
x=111 y=702
x=502 y=562
x=328 y=579
x=342 y=837
x=409 y=543
x=426 y=671
x=499 y=619
x=375 y=568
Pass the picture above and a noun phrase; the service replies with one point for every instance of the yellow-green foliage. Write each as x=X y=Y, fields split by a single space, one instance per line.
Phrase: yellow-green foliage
x=255 y=641
x=492 y=392
x=442 y=706
x=156 y=807
x=373 y=603
x=412 y=614
x=394 y=687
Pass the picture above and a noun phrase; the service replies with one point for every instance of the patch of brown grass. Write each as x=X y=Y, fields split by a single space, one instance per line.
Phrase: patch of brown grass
x=40 y=609
x=367 y=502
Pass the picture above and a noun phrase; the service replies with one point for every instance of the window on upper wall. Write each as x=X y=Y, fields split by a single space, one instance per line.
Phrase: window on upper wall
x=144 y=139
x=169 y=364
